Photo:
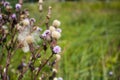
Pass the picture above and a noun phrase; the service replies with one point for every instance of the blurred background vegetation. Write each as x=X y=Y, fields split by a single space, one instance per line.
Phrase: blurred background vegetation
x=90 y=38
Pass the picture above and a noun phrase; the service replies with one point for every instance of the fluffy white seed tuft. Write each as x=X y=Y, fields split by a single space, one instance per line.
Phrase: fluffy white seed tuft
x=56 y=23
x=56 y=35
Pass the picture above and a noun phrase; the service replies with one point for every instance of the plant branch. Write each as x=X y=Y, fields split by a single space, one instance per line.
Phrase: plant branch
x=41 y=66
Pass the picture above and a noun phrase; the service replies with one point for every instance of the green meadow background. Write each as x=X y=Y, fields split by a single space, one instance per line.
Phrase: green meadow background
x=90 y=38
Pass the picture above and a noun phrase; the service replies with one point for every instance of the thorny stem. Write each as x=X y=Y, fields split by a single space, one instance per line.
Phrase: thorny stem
x=7 y=65
x=33 y=55
x=48 y=17
x=32 y=61
x=41 y=66
x=9 y=50
x=21 y=75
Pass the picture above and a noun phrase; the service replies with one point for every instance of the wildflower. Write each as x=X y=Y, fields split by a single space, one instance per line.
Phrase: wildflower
x=56 y=23
x=26 y=22
x=60 y=78
x=45 y=33
x=56 y=35
x=6 y=4
x=57 y=49
x=22 y=17
x=13 y=16
x=18 y=6
x=51 y=28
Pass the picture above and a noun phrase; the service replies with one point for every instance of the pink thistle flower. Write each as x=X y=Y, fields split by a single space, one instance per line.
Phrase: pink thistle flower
x=6 y=4
x=57 y=49
x=18 y=6
x=13 y=16
x=46 y=32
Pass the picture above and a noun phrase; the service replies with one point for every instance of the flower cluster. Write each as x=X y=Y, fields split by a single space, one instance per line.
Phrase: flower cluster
x=19 y=33
x=28 y=33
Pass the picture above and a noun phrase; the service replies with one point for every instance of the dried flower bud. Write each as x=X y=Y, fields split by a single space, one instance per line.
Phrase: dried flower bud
x=8 y=7
x=40 y=1
x=40 y=78
x=32 y=20
x=26 y=22
x=56 y=23
x=55 y=78
x=40 y=7
x=29 y=39
x=51 y=28
x=56 y=35
x=22 y=17
x=18 y=27
x=58 y=57
x=39 y=29
x=57 y=49
x=54 y=70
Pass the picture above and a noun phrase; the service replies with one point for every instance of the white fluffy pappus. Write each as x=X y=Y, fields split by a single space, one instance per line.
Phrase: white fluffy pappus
x=56 y=34
x=56 y=23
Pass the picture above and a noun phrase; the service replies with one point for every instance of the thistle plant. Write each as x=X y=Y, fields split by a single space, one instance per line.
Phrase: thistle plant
x=18 y=32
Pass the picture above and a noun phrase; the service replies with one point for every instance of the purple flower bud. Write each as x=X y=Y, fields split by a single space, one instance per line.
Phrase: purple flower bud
x=46 y=32
x=57 y=49
x=33 y=20
x=6 y=4
x=110 y=73
x=0 y=16
x=60 y=78
x=59 y=30
x=13 y=16
x=18 y=6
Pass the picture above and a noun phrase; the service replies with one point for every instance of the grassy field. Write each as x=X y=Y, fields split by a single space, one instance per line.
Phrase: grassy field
x=90 y=38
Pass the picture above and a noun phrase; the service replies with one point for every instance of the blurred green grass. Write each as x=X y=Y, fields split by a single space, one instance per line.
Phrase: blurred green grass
x=90 y=38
